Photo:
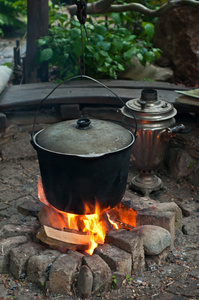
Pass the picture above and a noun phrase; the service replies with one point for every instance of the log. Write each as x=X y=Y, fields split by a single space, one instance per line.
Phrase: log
x=37 y=27
x=63 y=239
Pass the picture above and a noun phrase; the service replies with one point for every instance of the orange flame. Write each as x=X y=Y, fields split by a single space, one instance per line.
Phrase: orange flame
x=92 y=224
x=112 y=223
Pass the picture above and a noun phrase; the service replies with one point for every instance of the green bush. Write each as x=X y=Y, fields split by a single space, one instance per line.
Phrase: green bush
x=10 y=13
x=106 y=52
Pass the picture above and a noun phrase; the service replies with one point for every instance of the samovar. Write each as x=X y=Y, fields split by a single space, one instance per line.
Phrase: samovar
x=155 y=121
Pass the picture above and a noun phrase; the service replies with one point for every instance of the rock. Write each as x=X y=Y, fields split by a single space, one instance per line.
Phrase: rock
x=6 y=245
x=180 y=163
x=5 y=74
x=117 y=259
x=149 y=72
x=3 y=206
x=10 y=230
x=63 y=272
x=186 y=209
x=155 y=238
x=194 y=178
x=39 y=266
x=150 y=212
x=102 y=276
x=30 y=208
x=130 y=242
x=19 y=257
x=85 y=282
x=177 y=35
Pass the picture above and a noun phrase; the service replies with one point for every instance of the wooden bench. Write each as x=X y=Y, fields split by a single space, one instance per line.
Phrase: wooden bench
x=83 y=92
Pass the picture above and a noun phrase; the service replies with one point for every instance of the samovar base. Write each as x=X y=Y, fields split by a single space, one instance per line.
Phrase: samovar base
x=146 y=183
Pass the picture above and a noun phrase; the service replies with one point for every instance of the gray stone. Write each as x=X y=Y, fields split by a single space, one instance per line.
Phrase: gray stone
x=30 y=207
x=85 y=282
x=137 y=211
x=10 y=195
x=11 y=230
x=5 y=74
x=155 y=238
x=39 y=265
x=117 y=259
x=6 y=246
x=149 y=72
x=194 y=178
x=102 y=276
x=63 y=272
x=3 y=206
x=158 y=218
x=19 y=257
x=180 y=163
x=195 y=272
x=158 y=209
x=130 y=242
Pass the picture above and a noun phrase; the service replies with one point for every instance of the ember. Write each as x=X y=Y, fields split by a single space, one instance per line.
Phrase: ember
x=93 y=225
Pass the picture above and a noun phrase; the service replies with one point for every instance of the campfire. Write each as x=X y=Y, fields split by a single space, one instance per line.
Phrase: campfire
x=78 y=232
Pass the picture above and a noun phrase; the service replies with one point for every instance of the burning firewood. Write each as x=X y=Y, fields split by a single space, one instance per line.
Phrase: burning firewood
x=63 y=239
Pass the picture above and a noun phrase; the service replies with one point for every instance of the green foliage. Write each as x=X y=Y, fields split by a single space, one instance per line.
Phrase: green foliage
x=128 y=279
x=10 y=11
x=114 y=279
x=132 y=20
x=106 y=52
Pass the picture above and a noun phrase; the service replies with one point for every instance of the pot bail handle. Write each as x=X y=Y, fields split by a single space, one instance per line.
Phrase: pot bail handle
x=86 y=77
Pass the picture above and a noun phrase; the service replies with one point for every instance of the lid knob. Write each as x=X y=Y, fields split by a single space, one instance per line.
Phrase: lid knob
x=83 y=123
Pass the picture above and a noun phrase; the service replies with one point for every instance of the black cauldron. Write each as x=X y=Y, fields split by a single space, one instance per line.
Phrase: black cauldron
x=84 y=162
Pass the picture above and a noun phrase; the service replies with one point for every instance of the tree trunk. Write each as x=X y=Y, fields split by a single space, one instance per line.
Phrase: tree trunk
x=37 y=27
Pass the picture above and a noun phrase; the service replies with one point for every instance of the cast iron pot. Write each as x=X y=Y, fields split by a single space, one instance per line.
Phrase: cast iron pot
x=83 y=162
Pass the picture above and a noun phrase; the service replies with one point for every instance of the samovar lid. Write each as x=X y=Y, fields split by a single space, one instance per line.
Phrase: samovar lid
x=149 y=107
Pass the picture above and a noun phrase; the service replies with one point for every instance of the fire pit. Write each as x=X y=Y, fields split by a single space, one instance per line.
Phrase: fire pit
x=121 y=252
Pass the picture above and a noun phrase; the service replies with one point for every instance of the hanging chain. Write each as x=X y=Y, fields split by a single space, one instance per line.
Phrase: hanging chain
x=81 y=15
x=81 y=10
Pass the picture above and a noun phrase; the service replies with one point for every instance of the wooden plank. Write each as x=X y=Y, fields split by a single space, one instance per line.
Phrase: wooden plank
x=63 y=239
x=80 y=92
x=126 y=84
x=18 y=98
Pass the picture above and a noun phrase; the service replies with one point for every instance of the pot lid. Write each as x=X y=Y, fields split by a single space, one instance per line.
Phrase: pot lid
x=84 y=137
x=149 y=107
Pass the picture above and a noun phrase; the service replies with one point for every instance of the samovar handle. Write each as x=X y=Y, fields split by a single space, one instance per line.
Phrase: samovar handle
x=172 y=132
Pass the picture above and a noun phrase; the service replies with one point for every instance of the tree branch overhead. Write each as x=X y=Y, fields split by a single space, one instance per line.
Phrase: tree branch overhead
x=107 y=6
